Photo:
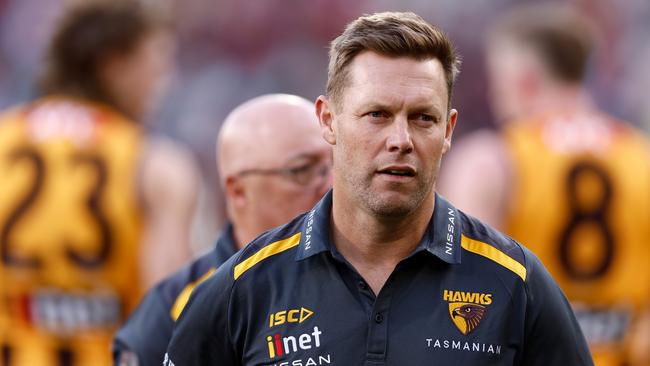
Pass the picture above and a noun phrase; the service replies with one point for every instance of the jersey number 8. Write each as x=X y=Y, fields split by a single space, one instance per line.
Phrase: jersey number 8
x=587 y=212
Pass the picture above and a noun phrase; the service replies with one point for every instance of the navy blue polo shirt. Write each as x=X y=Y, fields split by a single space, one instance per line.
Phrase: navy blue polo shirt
x=146 y=333
x=468 y=295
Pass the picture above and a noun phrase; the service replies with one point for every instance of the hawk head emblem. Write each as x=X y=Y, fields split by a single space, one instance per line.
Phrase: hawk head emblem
x=466 y=316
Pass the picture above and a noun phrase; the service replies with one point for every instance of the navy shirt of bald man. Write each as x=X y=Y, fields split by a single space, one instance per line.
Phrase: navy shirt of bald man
x=273 y=165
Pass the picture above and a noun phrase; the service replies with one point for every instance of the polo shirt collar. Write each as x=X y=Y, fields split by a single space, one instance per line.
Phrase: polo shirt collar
x=442 y=237
x=225 y=246
x=315 y=235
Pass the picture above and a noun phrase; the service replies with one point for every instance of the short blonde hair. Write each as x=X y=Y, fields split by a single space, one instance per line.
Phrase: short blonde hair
x=391 y=34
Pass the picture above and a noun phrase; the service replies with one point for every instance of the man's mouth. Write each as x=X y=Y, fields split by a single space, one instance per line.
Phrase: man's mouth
x=400 y=171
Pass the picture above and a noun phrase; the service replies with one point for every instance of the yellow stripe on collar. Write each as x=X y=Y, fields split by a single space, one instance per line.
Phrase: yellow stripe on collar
x=490 y=252
x=267 y=251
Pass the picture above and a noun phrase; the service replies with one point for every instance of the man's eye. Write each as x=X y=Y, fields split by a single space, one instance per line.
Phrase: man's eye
x=426 y=118
x=300 y=169
x=377 y=114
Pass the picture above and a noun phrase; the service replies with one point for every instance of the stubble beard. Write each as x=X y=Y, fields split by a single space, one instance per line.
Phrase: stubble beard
x=389 y=205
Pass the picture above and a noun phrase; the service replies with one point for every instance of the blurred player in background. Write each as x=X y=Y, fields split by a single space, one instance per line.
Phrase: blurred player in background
x=92 y=212
x=274 y=165
x=570 y=181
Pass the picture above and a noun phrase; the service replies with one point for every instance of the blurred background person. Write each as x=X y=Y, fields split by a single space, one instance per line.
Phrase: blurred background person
x=274 y=165
x=562 y=176
x=92 y=210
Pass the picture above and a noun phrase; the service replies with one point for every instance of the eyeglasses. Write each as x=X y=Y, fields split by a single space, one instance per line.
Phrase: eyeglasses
x=302 y=175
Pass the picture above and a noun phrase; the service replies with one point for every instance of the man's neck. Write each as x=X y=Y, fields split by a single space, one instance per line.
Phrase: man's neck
x=242 y=236
x=375 y=245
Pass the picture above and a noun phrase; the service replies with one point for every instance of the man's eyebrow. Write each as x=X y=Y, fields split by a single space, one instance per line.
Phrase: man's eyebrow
x=420 y=107
x=304 y=155
x=431 y=109
x=376 y=106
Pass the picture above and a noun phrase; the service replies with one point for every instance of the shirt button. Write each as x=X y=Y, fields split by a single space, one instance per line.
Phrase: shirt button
x=362 y=285
x=379 y=318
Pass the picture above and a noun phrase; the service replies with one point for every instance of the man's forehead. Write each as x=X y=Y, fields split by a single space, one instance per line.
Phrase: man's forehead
x=385 y=79
x=289 y=158
x=290 y=146
x=368 y=63
x=279 y=146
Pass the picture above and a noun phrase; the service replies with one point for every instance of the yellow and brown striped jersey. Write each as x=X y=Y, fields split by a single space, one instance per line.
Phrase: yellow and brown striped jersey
x=581 y=201
x=70 y=225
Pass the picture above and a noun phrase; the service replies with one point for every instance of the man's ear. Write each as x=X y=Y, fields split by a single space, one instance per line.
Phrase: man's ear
x=449 y=129
x=235 y=191
x=325 y=115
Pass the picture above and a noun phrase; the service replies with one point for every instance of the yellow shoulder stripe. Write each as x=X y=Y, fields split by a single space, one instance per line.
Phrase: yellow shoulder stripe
x=494 y=254
x=184 y=296
x=267 y=251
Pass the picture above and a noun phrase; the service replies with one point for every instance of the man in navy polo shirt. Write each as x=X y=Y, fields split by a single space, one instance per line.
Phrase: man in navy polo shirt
x=268 y=146
x=382 y=271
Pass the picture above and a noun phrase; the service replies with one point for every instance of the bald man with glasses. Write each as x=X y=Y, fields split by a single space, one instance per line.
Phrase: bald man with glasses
x=273 y=165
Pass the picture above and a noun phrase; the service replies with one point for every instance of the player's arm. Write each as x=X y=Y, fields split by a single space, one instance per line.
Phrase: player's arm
x=639 y=341
x=169 y=183
x=143 y=339
x=552 y=334
x=203 y=332
x=475 y=176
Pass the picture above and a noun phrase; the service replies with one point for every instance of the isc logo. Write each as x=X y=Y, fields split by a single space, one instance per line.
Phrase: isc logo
x=289 y=316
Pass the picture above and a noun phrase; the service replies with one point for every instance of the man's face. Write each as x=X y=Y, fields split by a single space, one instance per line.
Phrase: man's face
x=300 y=162
x=138 y=79
x=511 y=80
x=389 y=132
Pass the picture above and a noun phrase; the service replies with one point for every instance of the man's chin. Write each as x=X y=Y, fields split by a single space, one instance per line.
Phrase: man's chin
x=393 y=205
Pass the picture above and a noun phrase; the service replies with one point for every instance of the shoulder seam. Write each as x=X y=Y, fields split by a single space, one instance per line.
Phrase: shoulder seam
x=266 y=252
x=494 y=254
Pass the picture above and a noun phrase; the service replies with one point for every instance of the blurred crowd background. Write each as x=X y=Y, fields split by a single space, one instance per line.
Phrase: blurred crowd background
x=230 y=50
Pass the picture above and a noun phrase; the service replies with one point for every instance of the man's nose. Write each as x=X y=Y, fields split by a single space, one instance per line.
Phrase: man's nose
x=399 y=137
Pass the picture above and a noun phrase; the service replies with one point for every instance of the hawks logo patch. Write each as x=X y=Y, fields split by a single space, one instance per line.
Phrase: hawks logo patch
x=467 y=309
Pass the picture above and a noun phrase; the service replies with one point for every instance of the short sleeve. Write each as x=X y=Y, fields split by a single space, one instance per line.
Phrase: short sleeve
x=202 y=335
x=147 y=331
x=552 y=333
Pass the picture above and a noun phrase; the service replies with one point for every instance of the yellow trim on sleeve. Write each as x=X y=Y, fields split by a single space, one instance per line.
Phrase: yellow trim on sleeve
x=267 y=251
x=494 y=254
x=184 y=296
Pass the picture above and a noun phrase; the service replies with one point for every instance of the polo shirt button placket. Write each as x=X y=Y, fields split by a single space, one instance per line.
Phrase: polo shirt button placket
x=379 y=318
x=378 y=330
